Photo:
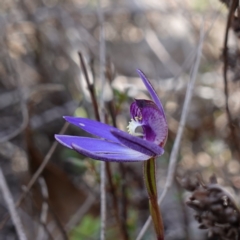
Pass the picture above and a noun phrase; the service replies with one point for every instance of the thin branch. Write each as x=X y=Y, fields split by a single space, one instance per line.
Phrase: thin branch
x=225 y=67
x=36 y=208
x=162 y=54
x=90 y=87
x=23 y=125
x=124 y=202
x=81 y=212
x=97 y=115
x=103 y=200
x=12 y=210
x=42 y=166
x=191 y=56
x=176 y=145
x=14 y=68
x=102 y=54
x=44 y=211
x=58 y=222
x=36 y=174
x=186 y=220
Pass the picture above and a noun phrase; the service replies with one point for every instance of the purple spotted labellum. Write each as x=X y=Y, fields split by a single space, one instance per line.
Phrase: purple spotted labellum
x=113 y=144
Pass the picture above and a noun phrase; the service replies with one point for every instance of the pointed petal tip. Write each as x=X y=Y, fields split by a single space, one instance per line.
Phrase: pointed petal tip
x=151 y=91
x=141 y=73
x=63 y=139
x=68 y=117
x=56 y=136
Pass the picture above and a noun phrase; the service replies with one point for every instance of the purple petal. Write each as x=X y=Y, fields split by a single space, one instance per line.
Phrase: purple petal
x=101 y=149
x=154 y=124
x=151 y=91
x=138 y=144
x=93 y=127
x=90 y=144
x=125 y=155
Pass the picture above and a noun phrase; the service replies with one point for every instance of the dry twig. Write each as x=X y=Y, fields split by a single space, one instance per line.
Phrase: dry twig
x=90 y=87
x=102 y=54
x=161 y=52
x=12 y=210
x=44 y=211
x=232 y=9
x=15 y=69
x=81 y=212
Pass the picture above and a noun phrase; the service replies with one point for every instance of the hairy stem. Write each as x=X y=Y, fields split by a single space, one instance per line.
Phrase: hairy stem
x=149 y=171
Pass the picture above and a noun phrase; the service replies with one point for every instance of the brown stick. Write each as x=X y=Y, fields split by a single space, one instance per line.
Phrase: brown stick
x=225 y=67
x=90 y=87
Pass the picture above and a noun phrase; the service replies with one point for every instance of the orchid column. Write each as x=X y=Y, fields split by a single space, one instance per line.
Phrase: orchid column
x=115 y=145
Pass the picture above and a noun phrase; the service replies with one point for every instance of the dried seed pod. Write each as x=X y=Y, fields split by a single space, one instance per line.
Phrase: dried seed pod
x=215 y=208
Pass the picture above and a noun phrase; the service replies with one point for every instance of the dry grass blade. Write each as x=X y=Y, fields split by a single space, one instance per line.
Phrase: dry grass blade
x=11 y=207
x=160 y=51
x=44 y=210
x=102 y=54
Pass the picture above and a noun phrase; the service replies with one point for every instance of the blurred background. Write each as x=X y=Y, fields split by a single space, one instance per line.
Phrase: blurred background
x=41 y=80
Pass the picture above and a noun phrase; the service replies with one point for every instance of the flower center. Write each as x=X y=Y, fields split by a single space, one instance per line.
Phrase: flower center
x=147 y=117
x=135 y=127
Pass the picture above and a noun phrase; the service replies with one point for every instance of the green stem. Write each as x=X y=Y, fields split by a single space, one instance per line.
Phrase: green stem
x=149 y=172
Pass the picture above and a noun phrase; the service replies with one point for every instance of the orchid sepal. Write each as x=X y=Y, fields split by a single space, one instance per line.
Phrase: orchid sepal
x=151 y=91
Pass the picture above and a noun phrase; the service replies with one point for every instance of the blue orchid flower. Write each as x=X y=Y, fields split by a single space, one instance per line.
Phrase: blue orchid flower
x=114 y=145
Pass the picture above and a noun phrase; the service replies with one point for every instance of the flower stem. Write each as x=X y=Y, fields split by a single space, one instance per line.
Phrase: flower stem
x=149 y=172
